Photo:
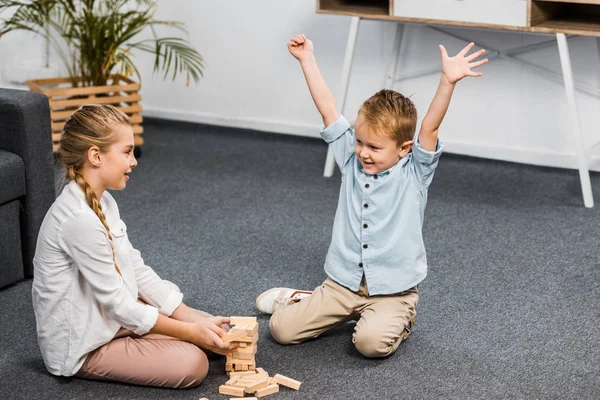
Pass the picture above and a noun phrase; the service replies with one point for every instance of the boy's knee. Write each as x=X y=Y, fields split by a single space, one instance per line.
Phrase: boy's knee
x=191 y=369
x=372 y=345
x=281 y=332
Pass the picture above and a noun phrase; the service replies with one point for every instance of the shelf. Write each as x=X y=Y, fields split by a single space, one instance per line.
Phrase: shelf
x=566 y=17
x=355 y=7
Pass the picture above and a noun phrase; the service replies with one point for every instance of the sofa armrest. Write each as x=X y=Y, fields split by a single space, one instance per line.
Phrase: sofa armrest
x=25 y=130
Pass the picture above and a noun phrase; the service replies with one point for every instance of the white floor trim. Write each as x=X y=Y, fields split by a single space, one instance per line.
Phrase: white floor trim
x=523 y=156
x=259 y=124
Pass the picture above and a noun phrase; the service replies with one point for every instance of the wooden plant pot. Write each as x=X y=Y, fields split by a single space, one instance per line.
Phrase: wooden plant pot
x=120 y=92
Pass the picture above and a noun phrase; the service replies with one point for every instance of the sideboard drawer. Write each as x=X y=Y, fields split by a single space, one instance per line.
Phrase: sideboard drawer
x=496 y=12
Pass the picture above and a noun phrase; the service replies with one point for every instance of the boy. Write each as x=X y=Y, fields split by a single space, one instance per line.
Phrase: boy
x=377 y=257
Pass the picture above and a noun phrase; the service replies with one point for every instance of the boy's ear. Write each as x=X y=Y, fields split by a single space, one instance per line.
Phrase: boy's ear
x=94 y=157
x=404 y=148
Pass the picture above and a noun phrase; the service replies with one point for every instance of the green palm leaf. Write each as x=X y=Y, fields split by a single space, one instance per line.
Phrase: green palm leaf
x=93 y=38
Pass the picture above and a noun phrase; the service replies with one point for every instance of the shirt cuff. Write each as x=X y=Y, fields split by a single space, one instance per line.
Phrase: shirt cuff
x=173 y=301
x=148 y=321
x=426 y=156
x=336 y=129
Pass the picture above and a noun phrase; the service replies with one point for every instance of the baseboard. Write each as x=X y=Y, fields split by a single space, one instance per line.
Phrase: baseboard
x=258 y=124
x=523 y=156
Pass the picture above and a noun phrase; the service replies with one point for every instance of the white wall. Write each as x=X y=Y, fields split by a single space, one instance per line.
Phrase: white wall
x=512 y=113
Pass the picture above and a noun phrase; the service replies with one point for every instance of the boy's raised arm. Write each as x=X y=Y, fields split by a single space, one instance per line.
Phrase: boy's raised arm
x=302 y=49
x=453 y=70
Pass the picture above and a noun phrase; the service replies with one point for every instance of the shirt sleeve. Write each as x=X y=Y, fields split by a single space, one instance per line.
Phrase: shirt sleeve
x=342 y=140
x=425 y=162
x=84 y=239
x=152 y=289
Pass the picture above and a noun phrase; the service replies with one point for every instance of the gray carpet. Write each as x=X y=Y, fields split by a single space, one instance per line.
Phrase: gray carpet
x=510 y=309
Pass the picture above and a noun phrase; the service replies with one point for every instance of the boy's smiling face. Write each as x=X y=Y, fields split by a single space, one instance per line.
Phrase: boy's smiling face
x=377 y=151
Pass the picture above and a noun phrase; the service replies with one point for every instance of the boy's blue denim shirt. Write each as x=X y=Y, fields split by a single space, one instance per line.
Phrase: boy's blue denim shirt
x=377 y=226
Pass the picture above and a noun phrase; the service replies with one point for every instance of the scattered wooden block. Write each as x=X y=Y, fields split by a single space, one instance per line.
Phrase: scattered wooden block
x=256 y=377
x=231 y=381
x=231 y=390
x=272 y=388
x=288 y=382
x=204 y=398
x=239 y=383
x=257 y=385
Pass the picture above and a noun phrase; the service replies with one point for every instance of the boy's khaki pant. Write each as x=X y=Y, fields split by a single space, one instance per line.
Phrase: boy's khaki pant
x=149 y=360
x=383 y=321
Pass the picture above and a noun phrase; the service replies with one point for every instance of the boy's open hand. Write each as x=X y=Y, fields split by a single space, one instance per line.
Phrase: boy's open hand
x=457 y=67
x=300 y=47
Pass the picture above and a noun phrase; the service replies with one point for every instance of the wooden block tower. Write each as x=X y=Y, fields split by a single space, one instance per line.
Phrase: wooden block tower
x=245 y=333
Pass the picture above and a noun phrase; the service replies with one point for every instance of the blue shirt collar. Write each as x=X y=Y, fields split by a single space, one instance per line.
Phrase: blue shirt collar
x=401 y=162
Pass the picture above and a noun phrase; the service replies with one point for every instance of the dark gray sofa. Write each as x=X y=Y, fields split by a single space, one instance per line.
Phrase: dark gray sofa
x=26 y=179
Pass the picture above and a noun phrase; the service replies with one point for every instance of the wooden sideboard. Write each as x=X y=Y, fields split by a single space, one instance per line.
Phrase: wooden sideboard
x=559 y=18
x=572 y=17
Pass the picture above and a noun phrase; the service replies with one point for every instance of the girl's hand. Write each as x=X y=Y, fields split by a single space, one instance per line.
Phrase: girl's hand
x=300 y=47
x=206 y=333
x=204 y=314
x=457 y=67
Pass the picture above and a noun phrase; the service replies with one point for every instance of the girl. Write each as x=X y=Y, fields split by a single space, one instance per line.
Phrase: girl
x=101 y=313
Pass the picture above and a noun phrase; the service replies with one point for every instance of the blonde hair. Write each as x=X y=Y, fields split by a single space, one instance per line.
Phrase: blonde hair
x=390 y=112
x=91 y=125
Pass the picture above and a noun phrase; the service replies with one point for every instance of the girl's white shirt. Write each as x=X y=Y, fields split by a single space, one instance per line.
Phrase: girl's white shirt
x=79 y=299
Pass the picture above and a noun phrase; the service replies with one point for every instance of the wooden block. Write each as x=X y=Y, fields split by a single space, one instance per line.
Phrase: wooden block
x=251 y=349
x=243 y=344
x=232 y=336
x=244 y=367
x=204 y=398
x=248 y=339
x=272 y=388
x=288 y=382
x=242 y=320
x=263 y=375
x=243 y=356
x=238 y=328
x=231 y=381
x=239 y=374
x=251 y=329
x=231 y=390
x=241 y=361
x=257 y=385
x=256 y=377
x=240 y=384
x=261 y=371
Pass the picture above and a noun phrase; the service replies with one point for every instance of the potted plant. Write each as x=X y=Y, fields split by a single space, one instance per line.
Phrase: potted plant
x=95 y=41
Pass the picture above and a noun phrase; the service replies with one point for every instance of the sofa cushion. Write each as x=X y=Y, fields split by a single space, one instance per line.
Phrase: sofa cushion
x=12 y=176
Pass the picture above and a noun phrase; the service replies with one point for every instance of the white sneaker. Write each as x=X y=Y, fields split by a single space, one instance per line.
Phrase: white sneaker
x=265 y=302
